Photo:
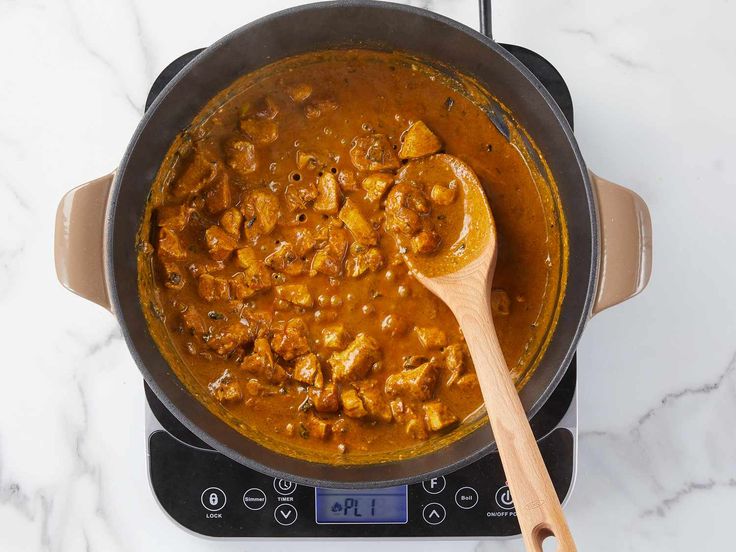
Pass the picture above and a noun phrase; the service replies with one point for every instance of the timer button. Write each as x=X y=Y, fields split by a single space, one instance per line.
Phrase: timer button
x=213 y=499
x=254 y=499
x=435 y=485
x=434 y=513
x=283 y=487
x=503 y=498
x=466 y=497
x=285 y=514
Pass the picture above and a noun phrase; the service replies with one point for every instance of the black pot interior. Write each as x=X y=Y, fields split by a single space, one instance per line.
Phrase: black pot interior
x=323 y=26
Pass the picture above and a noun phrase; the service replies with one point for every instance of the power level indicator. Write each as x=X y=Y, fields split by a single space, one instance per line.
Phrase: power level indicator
x=387 y=505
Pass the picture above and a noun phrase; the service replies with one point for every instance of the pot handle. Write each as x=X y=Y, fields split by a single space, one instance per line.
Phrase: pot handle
x=626 y=244
x=79 y=240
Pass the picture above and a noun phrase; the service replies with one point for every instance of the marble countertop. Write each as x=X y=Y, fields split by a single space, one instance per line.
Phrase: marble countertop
x=652 y=83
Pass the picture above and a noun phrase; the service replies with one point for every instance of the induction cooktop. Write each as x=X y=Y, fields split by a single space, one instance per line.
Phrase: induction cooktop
x=209 y=494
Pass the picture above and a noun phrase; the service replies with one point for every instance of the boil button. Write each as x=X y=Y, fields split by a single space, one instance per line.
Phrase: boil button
x=466 y=497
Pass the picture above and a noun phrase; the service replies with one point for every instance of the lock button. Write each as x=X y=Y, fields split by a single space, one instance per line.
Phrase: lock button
x=213 y=499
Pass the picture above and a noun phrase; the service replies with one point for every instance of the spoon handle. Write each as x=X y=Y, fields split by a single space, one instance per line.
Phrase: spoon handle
x=538 y=509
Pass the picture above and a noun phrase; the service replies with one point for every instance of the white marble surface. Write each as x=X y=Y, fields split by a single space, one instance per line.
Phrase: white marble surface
x=652 y=83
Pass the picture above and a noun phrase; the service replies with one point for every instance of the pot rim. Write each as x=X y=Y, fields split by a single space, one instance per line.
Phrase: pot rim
x=181 y=413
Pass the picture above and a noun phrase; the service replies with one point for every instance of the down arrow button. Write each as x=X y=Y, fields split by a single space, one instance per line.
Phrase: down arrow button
x=285 y=514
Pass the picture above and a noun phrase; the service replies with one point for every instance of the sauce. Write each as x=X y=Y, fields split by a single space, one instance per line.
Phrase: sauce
x=277 y=288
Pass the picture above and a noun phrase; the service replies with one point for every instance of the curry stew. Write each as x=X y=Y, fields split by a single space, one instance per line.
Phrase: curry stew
x=270 y=254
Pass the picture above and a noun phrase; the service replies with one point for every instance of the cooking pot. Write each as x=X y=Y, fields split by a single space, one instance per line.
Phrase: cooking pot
x=609 y=228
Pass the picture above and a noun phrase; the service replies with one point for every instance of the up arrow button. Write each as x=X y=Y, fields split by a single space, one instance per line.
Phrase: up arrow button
x=434 y=513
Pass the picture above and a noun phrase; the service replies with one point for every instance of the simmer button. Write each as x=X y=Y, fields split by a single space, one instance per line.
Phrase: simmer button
x=254 y=499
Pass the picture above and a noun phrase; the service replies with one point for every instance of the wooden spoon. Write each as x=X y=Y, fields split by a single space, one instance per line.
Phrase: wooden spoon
x=466 y=290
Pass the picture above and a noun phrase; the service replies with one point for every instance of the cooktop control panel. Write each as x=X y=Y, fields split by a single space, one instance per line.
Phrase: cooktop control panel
x=210 y=494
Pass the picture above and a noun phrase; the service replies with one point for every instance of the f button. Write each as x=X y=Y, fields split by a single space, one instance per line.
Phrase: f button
x=435 y=485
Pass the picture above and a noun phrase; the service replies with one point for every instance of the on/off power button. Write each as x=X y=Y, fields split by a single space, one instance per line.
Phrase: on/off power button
x=503 y=498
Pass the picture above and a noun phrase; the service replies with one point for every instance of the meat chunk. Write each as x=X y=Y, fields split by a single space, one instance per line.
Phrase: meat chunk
x=335 y=337
x=218 y=196
x=347 y=181
x=198 y=269
x=261 y=131
x=316 y=427
x=174 y=217
x=230 y=221
x=415 y=427
x=299 y=195
x=261 y=363
x=240 y=155
x=418 y=383
x=419 y=141
x=352 y=405
x=401 y=214
x=285 y=259
x=193 y=321
x=362 y=230
x=299 y=92
x=376 y=186
x=431 y=338
x=364 y=260
x=454 y=362
x=375 y=402
x=315 y=109
x=328 y=200
x=297 y=294
x=324 y=399
x=258 y=321
x=355 y=362
x=211 y=288
x=261 y=209
x=173 y=276
x=255 y=276
x=292 y=341
x=306 y=368
x=224 y=340
x=373 y=152
x=338 y=240
x=226 y=388
x=325 y=263
x=426 y=242
x=198 y=173
x=443 y=195
x=303 y=241
x=437 y=415
x=169 y=246
x=220 y=244
x=239 y=288
x=266 y=108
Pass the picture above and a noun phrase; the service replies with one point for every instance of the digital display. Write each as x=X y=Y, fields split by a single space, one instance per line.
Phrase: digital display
x=361 y=506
